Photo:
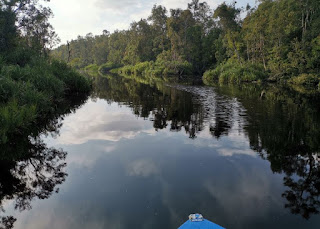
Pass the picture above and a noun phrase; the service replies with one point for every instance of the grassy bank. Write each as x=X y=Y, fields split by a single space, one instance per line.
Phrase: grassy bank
x=164 y=66
x=232 y=72
x=148 y=70
x=32 y=91
x=158 y=69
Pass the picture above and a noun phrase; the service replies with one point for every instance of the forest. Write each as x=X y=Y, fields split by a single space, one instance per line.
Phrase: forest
x=275 y=41
x=32 y=85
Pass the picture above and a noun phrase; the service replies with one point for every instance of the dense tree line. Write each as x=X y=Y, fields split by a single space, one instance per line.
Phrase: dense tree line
x=185 y=40
x=32 y=86
x=278 y=39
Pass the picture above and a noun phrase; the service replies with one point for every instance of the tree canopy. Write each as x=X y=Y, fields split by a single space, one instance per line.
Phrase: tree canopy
x=279 y=39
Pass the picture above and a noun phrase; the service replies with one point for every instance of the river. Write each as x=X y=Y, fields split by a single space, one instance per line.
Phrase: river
x=145 y=154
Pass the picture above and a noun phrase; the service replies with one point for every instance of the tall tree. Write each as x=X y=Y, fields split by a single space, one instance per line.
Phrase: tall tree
x=229 y=21
x=31 y=20
x=158 y=19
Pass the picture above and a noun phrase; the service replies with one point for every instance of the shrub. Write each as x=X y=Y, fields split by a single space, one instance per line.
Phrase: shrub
x=107 y=67
x=74 y=81
x=77 y=63
x=34 y=91
x=176 y=67
x=140 y=68
x=210 y=76
x=127 y=70
x=47 y=82
x=232 y=72
x=20 y=56
x=23 y=92
x=155 y=71
x=309 y=80
x=92 y=68
x=12 y=116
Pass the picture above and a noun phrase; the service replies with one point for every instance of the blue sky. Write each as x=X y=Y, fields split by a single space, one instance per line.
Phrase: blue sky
x=79 y=17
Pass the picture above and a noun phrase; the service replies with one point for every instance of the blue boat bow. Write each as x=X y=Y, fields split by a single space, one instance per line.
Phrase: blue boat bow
x=196 y=221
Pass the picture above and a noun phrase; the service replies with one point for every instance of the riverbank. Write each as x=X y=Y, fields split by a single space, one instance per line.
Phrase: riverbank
x=148 y=69
x=33 y=91
x=228 y=73
x=232 y=72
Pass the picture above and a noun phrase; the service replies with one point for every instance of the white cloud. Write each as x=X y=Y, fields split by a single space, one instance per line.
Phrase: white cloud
x=183 y=4
x=79 y=17
x=108 y=124
x=123 y=6
x=142 y=167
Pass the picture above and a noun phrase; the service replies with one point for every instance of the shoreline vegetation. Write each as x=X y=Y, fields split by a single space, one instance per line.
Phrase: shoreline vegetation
x=275 y=41
x=33 y=86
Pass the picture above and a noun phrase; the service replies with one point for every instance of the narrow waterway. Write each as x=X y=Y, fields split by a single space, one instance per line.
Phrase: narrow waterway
x=146 y=154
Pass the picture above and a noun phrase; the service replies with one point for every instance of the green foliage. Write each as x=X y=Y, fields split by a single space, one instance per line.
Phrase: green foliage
x=75 y=82
x=8 y=30
x=232 y=72
x=77 y=63
x=281 y=36
x=314 y=61
x=13 y=115
x=308 y=80
x=127 y=70
x=32 y=92
x=158 y=69
x=140 y=68
x=32 y=86
x=92 y=69
x=107 y=67
x=155 y=72
x=185 y=35
x=173 y=65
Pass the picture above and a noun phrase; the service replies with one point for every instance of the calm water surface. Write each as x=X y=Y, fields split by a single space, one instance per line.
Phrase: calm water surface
x=143 y=154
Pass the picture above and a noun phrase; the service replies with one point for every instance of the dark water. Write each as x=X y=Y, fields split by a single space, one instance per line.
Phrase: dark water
x=141 y=154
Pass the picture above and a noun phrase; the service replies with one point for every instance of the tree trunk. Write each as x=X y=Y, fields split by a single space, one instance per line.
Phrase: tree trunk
x=69 y=51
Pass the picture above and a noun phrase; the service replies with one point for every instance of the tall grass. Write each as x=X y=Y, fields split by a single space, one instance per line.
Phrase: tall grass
x=232 y=72
x=33 y=90
x=158 y=69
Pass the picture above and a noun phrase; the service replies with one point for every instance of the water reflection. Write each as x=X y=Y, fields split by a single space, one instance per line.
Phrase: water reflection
x=165 y=105
x=29 y=169
x=144 y=154
x=34 y=176
x=283 y=127
x=304 y=190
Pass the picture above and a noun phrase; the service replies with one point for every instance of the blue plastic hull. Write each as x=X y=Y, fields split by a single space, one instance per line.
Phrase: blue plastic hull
x=205 y=224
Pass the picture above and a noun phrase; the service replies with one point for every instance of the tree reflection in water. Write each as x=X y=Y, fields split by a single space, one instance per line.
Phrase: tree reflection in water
x=283 y=127
x=29 y=169
x=303 y=195
x=34 y=176
x=163 y=105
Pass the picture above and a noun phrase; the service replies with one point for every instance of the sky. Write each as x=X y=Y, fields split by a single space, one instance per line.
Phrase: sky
x=79 y=17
